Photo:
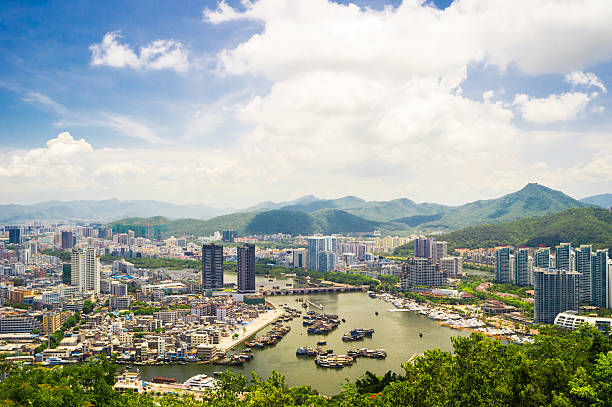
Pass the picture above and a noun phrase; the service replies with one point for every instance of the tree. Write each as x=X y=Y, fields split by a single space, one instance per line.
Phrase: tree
x=88 y=306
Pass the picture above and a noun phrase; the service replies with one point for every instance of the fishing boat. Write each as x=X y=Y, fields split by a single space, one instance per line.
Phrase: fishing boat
x=163 y=380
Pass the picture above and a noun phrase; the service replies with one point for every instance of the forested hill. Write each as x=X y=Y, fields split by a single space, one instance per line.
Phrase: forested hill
x=268 y=222
x=577 y=225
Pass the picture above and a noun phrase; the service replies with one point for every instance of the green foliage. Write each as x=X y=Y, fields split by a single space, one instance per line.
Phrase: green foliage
x=63 y=255
x=561 y=368
x=577 y=225
x=88 y=306
x=405 y=250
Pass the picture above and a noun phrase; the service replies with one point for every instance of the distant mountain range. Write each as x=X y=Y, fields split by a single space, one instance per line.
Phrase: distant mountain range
x=603 y=200
x=104 y=210
x=578 y=226
x=351 y=215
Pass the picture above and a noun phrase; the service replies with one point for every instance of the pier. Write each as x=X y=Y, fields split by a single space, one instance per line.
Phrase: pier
x=314 y=305
x=315 y=290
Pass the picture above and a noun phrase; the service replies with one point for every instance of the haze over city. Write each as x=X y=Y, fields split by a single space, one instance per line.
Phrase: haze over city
x=233 y=103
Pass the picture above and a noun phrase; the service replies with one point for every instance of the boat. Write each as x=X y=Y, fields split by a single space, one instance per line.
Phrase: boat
x=376 y=313
x=343 y=320
x=164 y=380
x=270 y=280
x=199 y=382
x=321 y=343
x=54 y=361
x=420 y=334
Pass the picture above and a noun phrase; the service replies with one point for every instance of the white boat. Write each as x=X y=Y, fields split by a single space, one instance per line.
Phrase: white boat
x=200 y=382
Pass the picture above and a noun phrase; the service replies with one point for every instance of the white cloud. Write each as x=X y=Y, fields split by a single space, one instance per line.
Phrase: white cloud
x=159 y=54
x=128 y=127
x=373 y=97
x=588 y=79
x=554 y=108
x=54 y=160
x=45 y=101
x=301 y=35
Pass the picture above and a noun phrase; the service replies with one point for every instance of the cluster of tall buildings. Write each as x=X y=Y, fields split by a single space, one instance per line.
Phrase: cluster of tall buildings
x=563 y=278
x=322 y=253
x=212 y=267
x=431 y=264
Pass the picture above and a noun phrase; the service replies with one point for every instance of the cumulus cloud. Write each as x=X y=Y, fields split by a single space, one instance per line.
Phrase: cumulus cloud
x=159 y=54
x=554 y=108
x=53 y=160
x=586 y=79
x=372 y=97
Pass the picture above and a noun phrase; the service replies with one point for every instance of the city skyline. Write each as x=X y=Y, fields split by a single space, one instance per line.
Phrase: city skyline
x=273 y=99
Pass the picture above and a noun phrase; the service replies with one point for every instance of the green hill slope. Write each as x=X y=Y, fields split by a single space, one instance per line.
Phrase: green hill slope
x=532 y=200
x=576 y=225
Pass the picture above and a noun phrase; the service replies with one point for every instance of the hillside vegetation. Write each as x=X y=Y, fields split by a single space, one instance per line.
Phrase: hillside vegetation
x=576 y=225
x=354 y=215
x=561 y=368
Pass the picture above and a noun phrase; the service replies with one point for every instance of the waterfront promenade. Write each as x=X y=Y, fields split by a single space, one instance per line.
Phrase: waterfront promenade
x=256 y=325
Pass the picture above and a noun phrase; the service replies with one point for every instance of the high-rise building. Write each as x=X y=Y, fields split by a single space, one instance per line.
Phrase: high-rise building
x=245 y=268
x=212 y=267
x=563 y=256
x=584 y=266
x=228 y=236
x=420 y=271
x=542 y=258
x=327 y=261
x=521 y=267
x=439 y=250
x=423 y=247
x=67 y=240
x=300 y=258
x=556 y=291
x=503 y=265
x=599 y=277
x=451 y=265
x=331 y=244
x=316 y=244
x=85 y=269
x=14 y=235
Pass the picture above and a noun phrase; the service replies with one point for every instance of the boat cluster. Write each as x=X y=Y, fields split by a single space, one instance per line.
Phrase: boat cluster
x=320 y=323
x=367 y=353
x=269 y=338
x=357 y=334
x=334 y=361
x=235 y=360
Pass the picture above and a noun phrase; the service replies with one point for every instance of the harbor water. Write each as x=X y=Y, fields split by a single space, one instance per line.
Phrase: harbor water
x=396 y=332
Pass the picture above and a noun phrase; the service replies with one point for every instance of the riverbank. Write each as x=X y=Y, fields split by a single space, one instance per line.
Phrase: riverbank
x=455 y=317
x=250 y=329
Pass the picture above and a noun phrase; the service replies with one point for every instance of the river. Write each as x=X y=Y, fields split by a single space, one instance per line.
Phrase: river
x=396 y=332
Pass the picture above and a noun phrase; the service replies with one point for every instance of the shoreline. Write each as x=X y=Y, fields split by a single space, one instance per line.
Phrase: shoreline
x=256 y=325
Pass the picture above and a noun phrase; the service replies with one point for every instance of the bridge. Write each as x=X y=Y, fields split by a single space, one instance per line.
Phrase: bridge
x=315 y=290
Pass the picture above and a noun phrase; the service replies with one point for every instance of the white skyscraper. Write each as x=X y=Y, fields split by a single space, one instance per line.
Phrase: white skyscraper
x=85 y=269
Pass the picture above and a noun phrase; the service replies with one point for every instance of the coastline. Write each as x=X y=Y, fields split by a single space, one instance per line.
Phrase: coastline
x=256 y=325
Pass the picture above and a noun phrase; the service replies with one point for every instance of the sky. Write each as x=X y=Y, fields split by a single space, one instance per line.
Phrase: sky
x=235 y=102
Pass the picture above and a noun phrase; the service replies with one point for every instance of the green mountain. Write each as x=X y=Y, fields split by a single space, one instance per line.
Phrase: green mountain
x=602 y=200
x=268 y=222
x=353 y=215
x=532 y=200
x=576 y=225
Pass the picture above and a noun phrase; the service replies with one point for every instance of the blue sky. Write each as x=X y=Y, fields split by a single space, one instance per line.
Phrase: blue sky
x=230 y=104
